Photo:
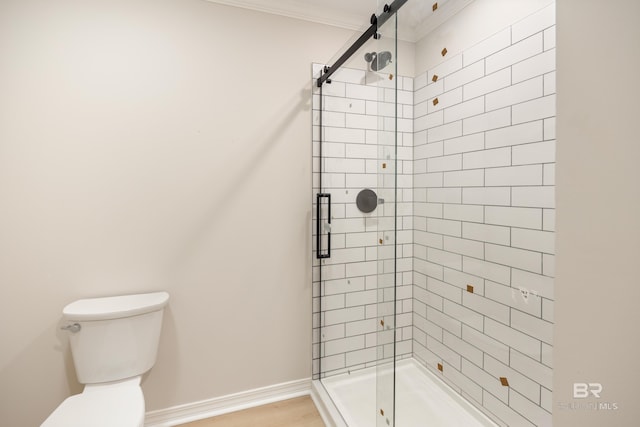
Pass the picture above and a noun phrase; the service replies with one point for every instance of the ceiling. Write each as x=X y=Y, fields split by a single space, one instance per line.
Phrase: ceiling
x=416 y=18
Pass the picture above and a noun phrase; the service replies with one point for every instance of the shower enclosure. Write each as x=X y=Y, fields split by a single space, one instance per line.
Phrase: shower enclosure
x=433 y=184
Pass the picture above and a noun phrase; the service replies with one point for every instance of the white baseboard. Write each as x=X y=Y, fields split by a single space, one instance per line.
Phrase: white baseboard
x=189 y=412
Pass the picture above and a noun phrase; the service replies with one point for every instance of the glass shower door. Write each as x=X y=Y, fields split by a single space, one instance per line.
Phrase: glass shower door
x=355 y=228
x=383 y=71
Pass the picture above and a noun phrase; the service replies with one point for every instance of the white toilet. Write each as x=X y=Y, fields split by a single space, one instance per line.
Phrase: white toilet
x=114 y=340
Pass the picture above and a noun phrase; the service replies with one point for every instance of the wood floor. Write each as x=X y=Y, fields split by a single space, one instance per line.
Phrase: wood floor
x=298 y=412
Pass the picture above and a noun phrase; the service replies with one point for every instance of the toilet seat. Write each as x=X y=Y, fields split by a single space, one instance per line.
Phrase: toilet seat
x=103 y=405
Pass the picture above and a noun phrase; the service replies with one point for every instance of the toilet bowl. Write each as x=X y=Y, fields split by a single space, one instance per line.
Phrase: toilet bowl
x=114 y=340
x=120 y=404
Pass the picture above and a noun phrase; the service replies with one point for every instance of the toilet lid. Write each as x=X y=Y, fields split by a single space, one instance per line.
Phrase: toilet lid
x=100 y=407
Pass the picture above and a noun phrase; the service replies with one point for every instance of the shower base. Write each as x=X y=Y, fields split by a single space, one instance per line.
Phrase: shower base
x=421 y=400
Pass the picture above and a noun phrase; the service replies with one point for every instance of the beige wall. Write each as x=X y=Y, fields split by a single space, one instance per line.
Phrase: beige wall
x=149 y=145
x=598 y=223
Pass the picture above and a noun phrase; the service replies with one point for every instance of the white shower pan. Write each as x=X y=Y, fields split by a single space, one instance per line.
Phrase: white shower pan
x=421 y=400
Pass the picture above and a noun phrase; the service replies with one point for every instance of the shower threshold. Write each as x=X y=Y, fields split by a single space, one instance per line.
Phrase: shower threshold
x=422 y=399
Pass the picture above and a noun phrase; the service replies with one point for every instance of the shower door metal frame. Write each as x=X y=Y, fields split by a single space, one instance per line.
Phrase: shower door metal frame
x=372 y=31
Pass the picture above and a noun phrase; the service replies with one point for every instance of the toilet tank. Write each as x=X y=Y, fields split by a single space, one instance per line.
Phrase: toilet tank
x=118 y=336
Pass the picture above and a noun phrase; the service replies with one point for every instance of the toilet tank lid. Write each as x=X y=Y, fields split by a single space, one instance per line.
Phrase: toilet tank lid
x=115 y=307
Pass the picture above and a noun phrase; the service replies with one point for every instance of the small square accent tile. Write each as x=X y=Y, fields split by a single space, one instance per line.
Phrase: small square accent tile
x=444 y=51
x=440 y=368
x=504 y=381
x=435 y=6
x=469 y=288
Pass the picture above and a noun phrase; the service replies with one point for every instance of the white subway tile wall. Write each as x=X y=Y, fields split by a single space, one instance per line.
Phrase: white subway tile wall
x=476 y=221
x=358 y=151
x=490 y=161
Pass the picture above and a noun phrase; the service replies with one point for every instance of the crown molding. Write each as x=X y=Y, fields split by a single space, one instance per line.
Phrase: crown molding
x=353 y=16
x=304 y=11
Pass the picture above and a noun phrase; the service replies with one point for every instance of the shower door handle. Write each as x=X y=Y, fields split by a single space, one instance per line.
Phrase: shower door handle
x=327 y=225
